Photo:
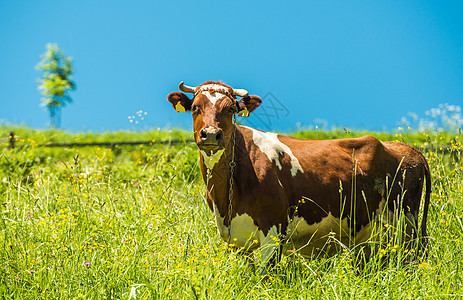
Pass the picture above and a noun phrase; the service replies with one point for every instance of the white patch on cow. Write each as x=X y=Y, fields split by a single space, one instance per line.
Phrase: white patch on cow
x=382 y=216
x=366 y=232
x=386 y=224
x=221 y=228
x=244 y=232
x=271 y=146
x=307 y=237
x=213 y=86
x=213 y=97
x=211 y=160
x=299 y=229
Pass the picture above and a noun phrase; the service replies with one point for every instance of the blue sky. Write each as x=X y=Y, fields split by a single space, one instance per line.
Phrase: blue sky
x=353 y=64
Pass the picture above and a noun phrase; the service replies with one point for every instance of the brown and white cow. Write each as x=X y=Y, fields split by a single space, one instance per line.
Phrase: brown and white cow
x=301 y=190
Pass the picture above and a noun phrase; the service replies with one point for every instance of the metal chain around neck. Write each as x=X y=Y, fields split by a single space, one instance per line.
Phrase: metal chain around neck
x=232 y=170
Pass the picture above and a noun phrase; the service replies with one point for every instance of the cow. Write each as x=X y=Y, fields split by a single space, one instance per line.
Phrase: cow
x=281 y=194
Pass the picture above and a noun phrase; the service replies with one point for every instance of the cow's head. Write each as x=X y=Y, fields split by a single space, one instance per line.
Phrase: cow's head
x=212 y=106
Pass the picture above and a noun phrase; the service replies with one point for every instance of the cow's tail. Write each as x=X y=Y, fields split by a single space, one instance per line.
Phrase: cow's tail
x=427 y=173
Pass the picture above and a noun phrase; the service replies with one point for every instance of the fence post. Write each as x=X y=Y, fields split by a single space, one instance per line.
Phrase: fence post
x=11 y=138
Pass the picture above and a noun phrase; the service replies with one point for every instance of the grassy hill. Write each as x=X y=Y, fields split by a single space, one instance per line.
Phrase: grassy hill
x=127 y=221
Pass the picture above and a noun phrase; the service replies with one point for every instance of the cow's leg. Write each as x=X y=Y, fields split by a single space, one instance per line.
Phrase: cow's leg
x=411 y=210
x=248 y=257
x=271 y=249
x=411 y=243
x=412 y=188
x=411 y=227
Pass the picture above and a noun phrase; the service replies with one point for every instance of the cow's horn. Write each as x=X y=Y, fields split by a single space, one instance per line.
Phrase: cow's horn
x=240 y=92
x=186 y=88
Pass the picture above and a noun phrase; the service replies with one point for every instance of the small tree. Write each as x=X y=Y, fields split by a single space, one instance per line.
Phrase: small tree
x=56 y=82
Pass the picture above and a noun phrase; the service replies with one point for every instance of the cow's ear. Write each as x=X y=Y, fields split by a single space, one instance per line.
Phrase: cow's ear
x=247 y=105
x=180 y=101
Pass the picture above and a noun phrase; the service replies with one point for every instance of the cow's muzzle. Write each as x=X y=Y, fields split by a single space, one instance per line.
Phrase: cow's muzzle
x=211 y=139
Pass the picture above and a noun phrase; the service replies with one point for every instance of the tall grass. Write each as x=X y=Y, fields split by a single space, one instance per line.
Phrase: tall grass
x=133 y=222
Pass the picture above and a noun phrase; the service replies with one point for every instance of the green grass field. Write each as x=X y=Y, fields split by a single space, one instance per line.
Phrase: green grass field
x=126 y=222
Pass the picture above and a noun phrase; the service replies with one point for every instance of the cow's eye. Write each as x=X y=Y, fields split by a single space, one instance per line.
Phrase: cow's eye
x=194 y=108
x=232 y=109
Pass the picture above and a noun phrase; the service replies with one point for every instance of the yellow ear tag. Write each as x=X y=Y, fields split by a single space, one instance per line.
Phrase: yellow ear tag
x=244 y=112
x=179 y=107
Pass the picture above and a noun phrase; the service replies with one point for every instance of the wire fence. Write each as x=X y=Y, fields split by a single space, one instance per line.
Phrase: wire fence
x=12 y=142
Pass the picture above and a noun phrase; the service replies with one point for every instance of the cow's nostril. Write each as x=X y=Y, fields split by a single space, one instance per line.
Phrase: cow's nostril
x=218 y=137
x=203 y=134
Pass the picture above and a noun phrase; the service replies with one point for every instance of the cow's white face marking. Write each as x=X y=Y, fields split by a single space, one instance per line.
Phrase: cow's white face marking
x=213 y=97
x=271 y=146
x=211 y=160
